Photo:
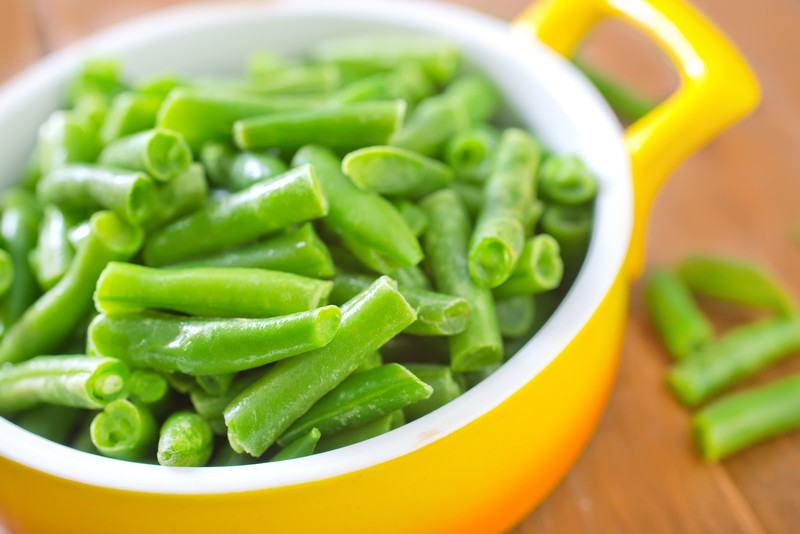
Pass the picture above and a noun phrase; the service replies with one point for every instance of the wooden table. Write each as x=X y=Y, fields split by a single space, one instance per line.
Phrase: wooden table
x=741 y=195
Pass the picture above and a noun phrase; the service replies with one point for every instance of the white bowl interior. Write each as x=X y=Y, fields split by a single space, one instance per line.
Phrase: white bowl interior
x=544 y=91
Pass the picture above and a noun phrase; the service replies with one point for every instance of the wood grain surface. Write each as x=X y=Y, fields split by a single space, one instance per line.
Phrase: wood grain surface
x=738 y=196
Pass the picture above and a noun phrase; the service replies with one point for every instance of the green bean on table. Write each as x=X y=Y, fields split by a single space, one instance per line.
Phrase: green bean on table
x=742 y=419
x=185 y=440
x=479 y=345
x=539 y=269
x=235 y=170
x=73 y=380
x=303 y=445
x=53 y=254
x=162 y=154
x=265 y=410
x=361 y=398
x=207 y=291
x=124 y=430
x=266 y=207
x=395 y=171
x=54 y=316
x=735 y=356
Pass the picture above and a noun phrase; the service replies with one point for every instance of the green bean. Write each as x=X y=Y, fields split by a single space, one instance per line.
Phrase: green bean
x=629 y=106
x=211 y=407
x=473 y=378
x=468 y=101
x=207 y=291
x=358 y=434
x=160 y=85
x=415 y=217
x=412 y=277
x=75 y=380
x=445 y=241
x=215 y=384
x=516 y=316
x=539 y=269
x=682 y=326
x=226 y=456
x=395 y=171
x=264 y=62
x=471 y=196
x=533 y=212
x=407 y=82
x=471 y=153
x=303 y=445
x=53 y=254
x=19 y=225
x=437 y=314
x=571 y=226
x=202 y=116
x=743 y=419
x=263 y=412
x=445 y=388
x=148 y=387
x=185 y=440
x=65 y=139
x=299 y=251
x=735 y=281
x=737 y=355
x=181 y=195
x=160 y=153
x=100 y=76
x=361 y=398
x=50 y=421
x=234 y=170
x=370 y=362
x=124 y=430
x=499 y=233
x=293 y=197
x=200 y=346
x=566 y=180
x=54 y=316
x=439 y=58
x=294 y=80
x=130 y=194
x=91 y=109
x=130 y=113
x=6 y=272
x=346 y=127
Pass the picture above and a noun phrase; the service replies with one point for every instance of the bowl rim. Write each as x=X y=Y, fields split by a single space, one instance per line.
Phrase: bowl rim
x=604 y=261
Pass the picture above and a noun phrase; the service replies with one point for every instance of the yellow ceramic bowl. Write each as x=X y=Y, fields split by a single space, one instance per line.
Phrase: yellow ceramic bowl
x=483 y=461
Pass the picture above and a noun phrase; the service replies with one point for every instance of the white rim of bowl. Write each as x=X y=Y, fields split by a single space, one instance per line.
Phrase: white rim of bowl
x=605 y=258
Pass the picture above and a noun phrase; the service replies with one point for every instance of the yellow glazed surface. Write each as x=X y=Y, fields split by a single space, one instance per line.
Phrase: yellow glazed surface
x=527 y=443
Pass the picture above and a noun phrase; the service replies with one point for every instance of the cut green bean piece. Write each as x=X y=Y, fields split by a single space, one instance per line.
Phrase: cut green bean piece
x=211 y=407
x=361 y=398
x=6 y=272
x=266 y=207
x=735 y=281
x=743 y=419
x=359 y=216
x=298 y=251
x=201 y=346
x=408 y=82
x=265 y=410
x=130 y=194
x=471 y=196
x=50 y=421
x=479 y=345
x=395 y=171
x=439 y=58
x=65 y=139
x=571 y=226
x=516 y=316
x=346 y=127
x=97 y=76
x=734 y=357
x=351 y=436
x=539 y=269
x=628 y=105
x=185 y=440
x=53 y=317
x=77 y=381
x=235 y=170
x=130 y=113
x=469 y=100
x=499 y=234
x=160 y=153
x=471 y=153
x=148 y=387
x=370 y=362
x=265 y=62
x=437 y=314
x=203 y=116
x=682 y=326
x=444 y=384
x=53 y=254
x=180 y=196
x=413 y=277
x=125 y=431
x=415 y=217
x=566 y=180
x=294 y=80
x=215 y=384
x=302 y=446
x=207 y=291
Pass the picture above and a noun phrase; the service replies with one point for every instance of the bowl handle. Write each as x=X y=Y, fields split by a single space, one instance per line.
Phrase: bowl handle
x=717 y=87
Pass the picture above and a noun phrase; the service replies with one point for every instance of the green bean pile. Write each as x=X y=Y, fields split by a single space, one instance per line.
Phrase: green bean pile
x=220 y=271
